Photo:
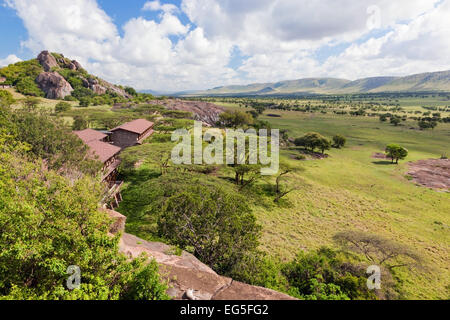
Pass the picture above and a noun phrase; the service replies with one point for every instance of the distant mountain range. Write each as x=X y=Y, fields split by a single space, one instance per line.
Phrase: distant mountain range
x=435 y=81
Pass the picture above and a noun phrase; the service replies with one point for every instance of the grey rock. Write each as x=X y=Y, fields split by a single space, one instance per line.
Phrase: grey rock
x=54 y=85
x=47 y=60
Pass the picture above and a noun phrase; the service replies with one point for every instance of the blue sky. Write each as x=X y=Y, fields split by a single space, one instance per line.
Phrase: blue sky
x=197 y=44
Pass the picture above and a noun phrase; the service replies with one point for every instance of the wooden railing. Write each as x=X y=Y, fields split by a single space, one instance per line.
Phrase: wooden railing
x=113 y=194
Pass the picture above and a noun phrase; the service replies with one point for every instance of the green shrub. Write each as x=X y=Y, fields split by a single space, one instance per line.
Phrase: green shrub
x=62 y=107
x=27 y=86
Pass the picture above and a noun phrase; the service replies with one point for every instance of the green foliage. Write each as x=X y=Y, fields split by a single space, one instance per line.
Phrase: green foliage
x=258 y=269
x=423 y=124
x=218 y=224
x=146 y=285
x=131 y=91
x=396 y=152
x=84 y=102
x=31 y=103
x=48 y=223
x=378 y=250
x=15 y=72
x=80 y=123
x=197 y=213
x=325 y=275
x=82 y=93
x=157 y=154
x=395 y=120
x=312 y=141
x=51 y=140
x=235 y=119
x=28 y=87
x=339 y=141
x=6 y=98
x=62 y=107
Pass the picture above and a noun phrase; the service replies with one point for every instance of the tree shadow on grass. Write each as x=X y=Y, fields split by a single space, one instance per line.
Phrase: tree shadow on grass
x=383 y=163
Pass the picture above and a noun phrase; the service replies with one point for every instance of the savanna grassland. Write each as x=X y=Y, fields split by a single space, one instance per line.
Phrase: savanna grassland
x=350 y=190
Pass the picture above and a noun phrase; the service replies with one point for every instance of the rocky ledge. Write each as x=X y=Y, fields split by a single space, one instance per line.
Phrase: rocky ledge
x=189 y=279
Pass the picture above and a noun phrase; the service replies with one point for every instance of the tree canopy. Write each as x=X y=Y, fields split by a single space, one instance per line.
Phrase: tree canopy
x=396 y=152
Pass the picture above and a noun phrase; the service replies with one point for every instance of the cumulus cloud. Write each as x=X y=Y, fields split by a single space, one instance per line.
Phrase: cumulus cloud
x=9 y=60
x=157 y=6
x=277 y=39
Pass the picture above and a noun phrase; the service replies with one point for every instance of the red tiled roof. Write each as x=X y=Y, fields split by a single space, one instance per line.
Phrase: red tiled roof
x=103 y=150
x=89 y=135
x=148 y=134
x=138 y=126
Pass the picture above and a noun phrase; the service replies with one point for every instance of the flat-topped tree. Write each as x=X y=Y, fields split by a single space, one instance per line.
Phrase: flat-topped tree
x=396 y=152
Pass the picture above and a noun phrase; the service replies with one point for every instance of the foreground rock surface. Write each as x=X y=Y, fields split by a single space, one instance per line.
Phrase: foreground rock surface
x=186 y=273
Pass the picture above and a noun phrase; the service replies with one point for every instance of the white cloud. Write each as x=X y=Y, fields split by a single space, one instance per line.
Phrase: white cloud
x=9 y=60
x=157 y=6
x=279 y=39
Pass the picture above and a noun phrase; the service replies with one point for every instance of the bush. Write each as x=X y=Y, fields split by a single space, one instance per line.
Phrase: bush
x=6 y=98
x=82 y=93
x=326 y=275
x=27 y=86
x=131 y=91
x=62 y=107
x=235 y=119
x=339 y=141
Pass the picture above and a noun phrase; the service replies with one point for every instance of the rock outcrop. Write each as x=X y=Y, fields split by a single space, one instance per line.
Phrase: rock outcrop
x=188 y=277
x=54 y=88
x=186 y=273
x=53 y=85
x=47 y=61
x=202 y=111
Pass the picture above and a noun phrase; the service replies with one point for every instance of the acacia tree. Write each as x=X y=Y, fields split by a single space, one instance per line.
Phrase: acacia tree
x=215 y=221
x=396 y=152
x=283 y=189
x=378 y=250
x=312 y=141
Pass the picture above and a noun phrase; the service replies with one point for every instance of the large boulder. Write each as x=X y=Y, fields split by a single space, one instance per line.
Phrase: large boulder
x=47 y=60
x=54 y=85
x=77 y=65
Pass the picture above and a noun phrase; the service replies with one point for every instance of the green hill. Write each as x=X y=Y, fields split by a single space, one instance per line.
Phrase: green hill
x=53 y=76
x=436 y=81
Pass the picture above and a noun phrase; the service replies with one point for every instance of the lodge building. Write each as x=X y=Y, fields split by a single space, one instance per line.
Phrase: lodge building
x=132 y=133
x=106 y=147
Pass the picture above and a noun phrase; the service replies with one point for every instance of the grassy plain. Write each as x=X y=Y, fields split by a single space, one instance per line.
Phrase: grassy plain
x=350 y=190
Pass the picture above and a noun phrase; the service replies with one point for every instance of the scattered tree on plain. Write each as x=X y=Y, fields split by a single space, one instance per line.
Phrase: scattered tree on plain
x=396 y=152
x=339 y=141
